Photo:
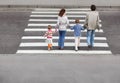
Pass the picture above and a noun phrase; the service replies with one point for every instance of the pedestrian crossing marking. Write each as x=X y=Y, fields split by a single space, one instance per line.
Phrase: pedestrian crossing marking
x=56 y=37
x=54 y=20
x=38 y=22
x=79 y=16
x=65 y=52
x=68 y=30
x=57 y=9
x=69 y=12
x=38 y=44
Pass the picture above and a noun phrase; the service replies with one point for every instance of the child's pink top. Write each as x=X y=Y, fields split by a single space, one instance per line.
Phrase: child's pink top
x=49 y=34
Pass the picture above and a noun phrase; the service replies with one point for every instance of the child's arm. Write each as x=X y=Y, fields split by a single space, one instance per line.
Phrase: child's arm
x=45 y=34
x=82 y=28
x=72 y=28
x=54 y=31
x=56 y=27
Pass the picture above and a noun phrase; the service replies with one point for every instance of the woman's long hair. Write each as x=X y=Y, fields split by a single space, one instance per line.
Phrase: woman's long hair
x=61 y=13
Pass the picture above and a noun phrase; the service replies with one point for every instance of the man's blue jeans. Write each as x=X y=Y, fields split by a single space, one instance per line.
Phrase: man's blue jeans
x=90 y=37
x=61 y=39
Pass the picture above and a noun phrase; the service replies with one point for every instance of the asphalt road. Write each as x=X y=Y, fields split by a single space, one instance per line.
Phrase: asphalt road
x=59 y=69
x=12 y=25
x=21 y=68
x=111 y=26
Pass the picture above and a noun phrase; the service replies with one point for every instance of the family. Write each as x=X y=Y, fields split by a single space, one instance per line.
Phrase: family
x=91 y=24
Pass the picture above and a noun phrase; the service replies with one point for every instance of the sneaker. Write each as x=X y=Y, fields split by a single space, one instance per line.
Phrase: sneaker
x=76 y=50
x=49 y=49
x=89 y=46
x=61 y=48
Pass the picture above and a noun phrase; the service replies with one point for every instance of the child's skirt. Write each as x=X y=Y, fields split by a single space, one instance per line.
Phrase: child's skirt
x=49 y=40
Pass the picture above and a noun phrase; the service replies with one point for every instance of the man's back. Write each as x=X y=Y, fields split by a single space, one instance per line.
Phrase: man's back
x=92 y=19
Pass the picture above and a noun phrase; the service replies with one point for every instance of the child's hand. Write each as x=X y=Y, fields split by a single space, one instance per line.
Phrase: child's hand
x=44 y=36
x=56 y=30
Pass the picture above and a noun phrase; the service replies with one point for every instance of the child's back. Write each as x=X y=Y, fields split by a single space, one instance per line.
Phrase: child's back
x=77 y=29
x=77 y=33
x=49 y=34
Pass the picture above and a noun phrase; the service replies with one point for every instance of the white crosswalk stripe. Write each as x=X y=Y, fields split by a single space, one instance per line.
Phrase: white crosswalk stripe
x=56 y=37
x=68 y=30
x=53 y=12
x=65 y=52
x=38 y=44
x=57 y=9
x=45 y=25
x=40 y=18
x=53 y=20
x=81 y=16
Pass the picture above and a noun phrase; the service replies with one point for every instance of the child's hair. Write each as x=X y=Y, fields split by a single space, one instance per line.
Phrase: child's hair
x=77 y=21
x=49 y=26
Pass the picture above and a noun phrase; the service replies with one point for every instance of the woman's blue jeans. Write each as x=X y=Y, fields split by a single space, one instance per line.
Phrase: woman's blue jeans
x=61 y=39
x=90 y=37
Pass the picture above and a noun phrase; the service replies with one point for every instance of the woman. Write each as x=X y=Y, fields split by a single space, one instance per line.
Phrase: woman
x=62 y=24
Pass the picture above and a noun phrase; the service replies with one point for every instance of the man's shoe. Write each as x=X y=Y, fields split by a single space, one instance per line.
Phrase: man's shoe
x=78 y=47
x=89 y=46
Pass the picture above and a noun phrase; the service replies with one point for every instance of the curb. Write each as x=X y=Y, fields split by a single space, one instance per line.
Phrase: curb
x=32 y=7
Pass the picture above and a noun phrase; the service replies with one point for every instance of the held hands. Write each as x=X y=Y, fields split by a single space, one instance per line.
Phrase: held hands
x=56 y=30
x=98 y=29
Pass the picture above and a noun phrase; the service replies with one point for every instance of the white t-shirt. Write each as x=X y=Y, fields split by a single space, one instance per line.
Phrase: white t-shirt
x=62 y=22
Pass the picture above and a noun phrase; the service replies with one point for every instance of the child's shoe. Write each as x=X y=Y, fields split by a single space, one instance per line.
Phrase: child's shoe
x=48 y=49
x=76 y=49
x=51 y=48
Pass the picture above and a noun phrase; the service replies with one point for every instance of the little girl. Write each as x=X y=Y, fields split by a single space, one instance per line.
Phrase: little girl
x=77 y=33
x=49 y=34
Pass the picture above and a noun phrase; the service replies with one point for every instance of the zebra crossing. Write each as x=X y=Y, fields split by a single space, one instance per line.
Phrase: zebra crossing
x=34 y=42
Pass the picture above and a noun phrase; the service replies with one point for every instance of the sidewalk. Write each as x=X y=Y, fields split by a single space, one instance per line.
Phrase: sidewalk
x=59 y=3
x=31 y=8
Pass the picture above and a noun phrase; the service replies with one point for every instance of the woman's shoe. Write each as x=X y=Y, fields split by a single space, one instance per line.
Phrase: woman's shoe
x=59 y=48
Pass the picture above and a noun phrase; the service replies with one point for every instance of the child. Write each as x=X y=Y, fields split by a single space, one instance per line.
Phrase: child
x=77 y=33
x=49 y=34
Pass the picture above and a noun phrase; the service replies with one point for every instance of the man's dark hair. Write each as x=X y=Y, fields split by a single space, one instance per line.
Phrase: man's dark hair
x=61 y=13
x=93 y=7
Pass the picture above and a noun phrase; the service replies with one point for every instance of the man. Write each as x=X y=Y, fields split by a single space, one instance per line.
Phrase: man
x=91 y=23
